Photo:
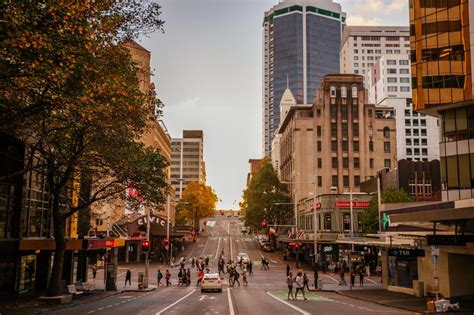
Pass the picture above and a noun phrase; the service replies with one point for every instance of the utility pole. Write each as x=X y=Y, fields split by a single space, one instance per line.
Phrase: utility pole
x=147 y=264
x=168 y=226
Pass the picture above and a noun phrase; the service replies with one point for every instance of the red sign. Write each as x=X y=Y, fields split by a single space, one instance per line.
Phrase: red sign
x=355 y=204
x=92 y=244
x=316 y=206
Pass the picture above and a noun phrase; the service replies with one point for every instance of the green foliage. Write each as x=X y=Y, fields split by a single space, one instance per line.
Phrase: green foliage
x=266 y=198
x=370 y=217
x=197 y=202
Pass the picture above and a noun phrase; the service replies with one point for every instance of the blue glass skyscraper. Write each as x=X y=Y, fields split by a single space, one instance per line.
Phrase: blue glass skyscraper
x=301 y=41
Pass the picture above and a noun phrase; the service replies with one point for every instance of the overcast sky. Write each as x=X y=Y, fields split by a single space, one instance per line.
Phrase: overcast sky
x=208 y=72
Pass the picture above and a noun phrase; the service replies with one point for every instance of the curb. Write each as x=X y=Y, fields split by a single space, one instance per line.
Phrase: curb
x=383 y=304
x=79 y=303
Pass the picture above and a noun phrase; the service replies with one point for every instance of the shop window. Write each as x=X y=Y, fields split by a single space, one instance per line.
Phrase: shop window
x=327 y=222
x=346 y=221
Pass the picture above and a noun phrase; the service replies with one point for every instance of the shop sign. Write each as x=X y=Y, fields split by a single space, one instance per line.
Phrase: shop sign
x=93 y=244
x=316 y=206
x=399 y=252
x=153 y=219
x=327 y=249
x=294 y=244
x=355 y=204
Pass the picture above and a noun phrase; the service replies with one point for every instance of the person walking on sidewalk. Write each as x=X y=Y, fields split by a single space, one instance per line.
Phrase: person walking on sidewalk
x=287 y=269
x=188 y=275
x=128 y=278
x=361 y=270
x=299 y=285
x=193 y=263
x=316 y=275
x=342 y=279
x=167 y=278
x=289 y=282
x=94 y=271
x=250 y=266
x=305 y=281
x=159 y=276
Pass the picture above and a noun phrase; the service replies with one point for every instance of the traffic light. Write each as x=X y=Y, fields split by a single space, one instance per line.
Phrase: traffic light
x=166 y=242
x=264 y=224
x=145 y=246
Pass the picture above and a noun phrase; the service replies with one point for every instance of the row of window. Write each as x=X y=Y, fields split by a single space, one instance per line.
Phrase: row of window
x=395 y=80
x=345 y=162
x=401 y=71
x=416 y=151
x=458 y=124
x=414 y=122
x=415 y=132
x=409 y=113
x=393 y=62
x=395 y=89
x=345 y=181
x=424 y=142
x=325 y=222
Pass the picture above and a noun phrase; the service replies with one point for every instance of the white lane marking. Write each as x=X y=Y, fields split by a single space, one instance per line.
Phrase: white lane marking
x=173 y=304
x=289 y=305
x=217 y=249
x=370 y=280
x=204 y=248
x=333 y=279
x=230 y=240
x=231 y=306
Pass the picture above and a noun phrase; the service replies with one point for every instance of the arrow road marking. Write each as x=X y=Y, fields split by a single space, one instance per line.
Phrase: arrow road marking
x=289 y=305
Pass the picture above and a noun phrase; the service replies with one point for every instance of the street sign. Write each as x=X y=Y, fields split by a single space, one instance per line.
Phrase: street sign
x=400 y=252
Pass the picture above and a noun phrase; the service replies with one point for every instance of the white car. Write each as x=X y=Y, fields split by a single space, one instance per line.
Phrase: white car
x=243 y=257
x=211 y=282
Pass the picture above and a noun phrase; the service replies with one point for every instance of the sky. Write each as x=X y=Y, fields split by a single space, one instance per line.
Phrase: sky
x=207 y=69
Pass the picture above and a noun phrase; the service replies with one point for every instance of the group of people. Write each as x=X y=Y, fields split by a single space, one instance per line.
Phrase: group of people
x=300 y=281
x=234 y=276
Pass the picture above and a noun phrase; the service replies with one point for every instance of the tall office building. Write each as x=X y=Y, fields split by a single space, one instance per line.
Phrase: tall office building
x=362 y=46
x=187 y=160
x=389 y=84
x=442 y=70
x=301 y=41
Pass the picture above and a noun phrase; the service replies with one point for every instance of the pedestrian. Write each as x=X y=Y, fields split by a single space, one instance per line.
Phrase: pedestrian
x=342 y=280
x=236 y=277
x=231 y=277
x=287 y=269
x=128 y=277
x=180 y=276
x=361 y=275
x=188 y=275
x=289 y=282
x=159 y=276
x=379 y=270
x=167 y=278
x=250 y=267
x=316 y=275
x=94 y=271
x=193 y=263
x=353 y=276
x=305 y=281
x=299 y=285
x=207 y=261
x=173 y=261
x=244 y=277
x=200 y=275
x=367 y=270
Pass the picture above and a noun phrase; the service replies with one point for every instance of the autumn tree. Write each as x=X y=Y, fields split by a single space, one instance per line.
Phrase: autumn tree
x=69 y=89
x=266 y=198
x=369 y=218
x=197 y=202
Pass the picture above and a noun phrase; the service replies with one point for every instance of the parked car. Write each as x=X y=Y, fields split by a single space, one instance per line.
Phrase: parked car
x=211 y=282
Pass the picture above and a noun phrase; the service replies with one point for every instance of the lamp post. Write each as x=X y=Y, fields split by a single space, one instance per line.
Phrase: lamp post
x=147 y=264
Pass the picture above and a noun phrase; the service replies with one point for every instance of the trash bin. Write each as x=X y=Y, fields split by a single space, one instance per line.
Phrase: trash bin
x=320 y=284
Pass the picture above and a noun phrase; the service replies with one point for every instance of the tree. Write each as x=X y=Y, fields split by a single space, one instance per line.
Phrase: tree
x=266 y=198
x=370 y=217
x=197 y=202
x=70 y=91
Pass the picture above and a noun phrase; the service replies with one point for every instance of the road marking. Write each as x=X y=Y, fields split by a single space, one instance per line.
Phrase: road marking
x=231 y=306
x=173 y=304
x=370 y=280
x=333 y=279
x=230 y=241
x=217 y=249
x=289 y=305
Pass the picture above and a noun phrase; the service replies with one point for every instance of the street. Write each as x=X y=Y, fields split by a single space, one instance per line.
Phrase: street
x=265 y=294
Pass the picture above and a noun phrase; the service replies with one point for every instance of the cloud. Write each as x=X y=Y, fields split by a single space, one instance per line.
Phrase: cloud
x=186 y=104
x=380 y=7
x=361 y=21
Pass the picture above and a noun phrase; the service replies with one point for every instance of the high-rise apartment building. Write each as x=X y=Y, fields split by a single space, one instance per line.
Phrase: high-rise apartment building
x=335 y=144
x=389 y=84
x=187 y=160
x=362 y=46
x=301 y=41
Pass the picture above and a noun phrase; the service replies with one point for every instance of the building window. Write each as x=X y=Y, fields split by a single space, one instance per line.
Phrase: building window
x=354 y=92
x=391 y=80
x=345 y=130
x=333 y=129
x=416 y=141
x=392 y=89
x=357 y=181
x=408 y=141
x=386 y=132
x=371 y=146
x=343 y=92
x=356 y=162
x=386 y=146
x=392 y=71
x=355 y=111
x=407 y=122
x=423 y=132
x=334 y=146
x=332 y=90
x=387 y=163
x=371 y=163
x=355 y=146
x=424 y=142
x=409 y=151
x=355 y=129
x=344 y=111
x=345 y=162
x=318 y=112
x=407 y=113
x=404 y=80
x=334 y=162
x=424 y=151
x=345 y=146
x=345 y=180
x=408 y=132
x=346 y=222
x=327 y=222
x=391 y=62
x=404 y=71
x=320 y=163
x=335 y=181
x=404 y=89
x=319 y=131
x=369 y=113
x=320 y=181
x=319 y=146
x=403 y=62
x=423 y=122
x=333 y=111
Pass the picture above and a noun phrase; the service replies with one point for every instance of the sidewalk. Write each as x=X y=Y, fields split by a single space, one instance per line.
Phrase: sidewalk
x=403 y=301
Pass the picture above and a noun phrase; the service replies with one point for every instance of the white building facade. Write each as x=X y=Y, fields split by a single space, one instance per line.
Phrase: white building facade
x=389 y=84
x=362 y=46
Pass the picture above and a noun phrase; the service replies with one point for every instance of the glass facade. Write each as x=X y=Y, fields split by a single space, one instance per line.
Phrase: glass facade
x=440 y=53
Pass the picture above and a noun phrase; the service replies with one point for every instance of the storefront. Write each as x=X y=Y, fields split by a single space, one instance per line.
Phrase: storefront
x=402 y=266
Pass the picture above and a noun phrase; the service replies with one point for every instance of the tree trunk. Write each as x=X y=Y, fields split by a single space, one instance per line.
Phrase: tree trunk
x=54 y=285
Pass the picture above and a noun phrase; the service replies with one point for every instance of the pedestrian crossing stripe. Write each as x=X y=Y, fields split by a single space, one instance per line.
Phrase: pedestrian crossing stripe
x=309 y=295
x=212 y=238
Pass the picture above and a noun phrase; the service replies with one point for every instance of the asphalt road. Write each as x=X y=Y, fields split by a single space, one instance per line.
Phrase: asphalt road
x=265 y=294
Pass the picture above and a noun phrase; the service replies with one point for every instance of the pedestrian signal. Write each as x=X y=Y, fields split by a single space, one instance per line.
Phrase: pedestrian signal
x=145 y=246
